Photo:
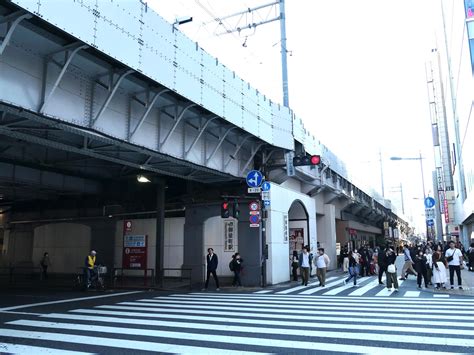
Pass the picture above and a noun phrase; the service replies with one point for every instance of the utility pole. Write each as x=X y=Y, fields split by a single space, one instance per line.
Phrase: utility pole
x=284 y=52
x=254 y=25
x=381 y=173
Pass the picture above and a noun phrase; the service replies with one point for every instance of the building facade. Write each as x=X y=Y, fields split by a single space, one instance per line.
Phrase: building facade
x=451 y=89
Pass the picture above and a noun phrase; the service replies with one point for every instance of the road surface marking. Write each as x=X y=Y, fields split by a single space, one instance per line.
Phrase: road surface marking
x=295 y=309
x=68 y=300
x=264 y=291
x=320 y=289
x=322 y=304
x=366 y=288
x=441 y=296
x=28 y=350
x=340 y=289
x=258 y=322
x=366 y=299
x=247 y=340
x=247 y=316
x=115 y=343
x=411 y=294
x=386 y=292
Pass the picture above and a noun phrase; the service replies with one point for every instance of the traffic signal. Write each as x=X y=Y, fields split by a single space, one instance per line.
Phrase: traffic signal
x=225 y=212
x=306 y=160
x=235 y=209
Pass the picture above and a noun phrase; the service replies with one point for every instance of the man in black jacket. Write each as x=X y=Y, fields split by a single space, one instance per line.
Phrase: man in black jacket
x=212 y=263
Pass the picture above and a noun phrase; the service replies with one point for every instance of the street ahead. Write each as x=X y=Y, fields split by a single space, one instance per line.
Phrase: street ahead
x=221 y=323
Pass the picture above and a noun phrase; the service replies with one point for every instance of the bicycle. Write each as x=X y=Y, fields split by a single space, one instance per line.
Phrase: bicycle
x=97 y=281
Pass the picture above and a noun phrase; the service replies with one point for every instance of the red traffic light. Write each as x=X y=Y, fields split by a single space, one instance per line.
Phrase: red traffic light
x=315 y=159
x=225 y=205
x=305 y=160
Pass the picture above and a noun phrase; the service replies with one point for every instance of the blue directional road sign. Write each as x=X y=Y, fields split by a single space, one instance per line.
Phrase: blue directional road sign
x=429 y=202
x=266 y=186
x=254 y=178
x=430 y=222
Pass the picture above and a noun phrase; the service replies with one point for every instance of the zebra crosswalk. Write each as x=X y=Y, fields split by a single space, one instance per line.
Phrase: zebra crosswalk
x=367 y=286
x=227 y=323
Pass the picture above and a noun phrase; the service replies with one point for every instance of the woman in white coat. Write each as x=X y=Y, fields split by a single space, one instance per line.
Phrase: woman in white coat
x=439 y=271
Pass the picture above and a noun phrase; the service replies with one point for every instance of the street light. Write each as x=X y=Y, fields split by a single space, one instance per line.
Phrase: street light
x=143 y=179
x=420 y=158
x=400 y=189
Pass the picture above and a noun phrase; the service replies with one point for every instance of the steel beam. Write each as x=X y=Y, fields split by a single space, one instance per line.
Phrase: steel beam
x=147 y=111
x=176 y=123
x=11 y=29
x=110 y=96
x=60 y=76
x=252 y=155
x=236 y=151
x=221 y=140
x=201 y=132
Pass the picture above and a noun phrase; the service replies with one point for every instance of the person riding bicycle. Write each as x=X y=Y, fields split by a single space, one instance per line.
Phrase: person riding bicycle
x=90 y=272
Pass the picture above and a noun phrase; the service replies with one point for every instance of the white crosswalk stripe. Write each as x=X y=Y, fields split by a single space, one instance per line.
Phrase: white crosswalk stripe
x=365 y=286
x=28 y=350
x=205 y=323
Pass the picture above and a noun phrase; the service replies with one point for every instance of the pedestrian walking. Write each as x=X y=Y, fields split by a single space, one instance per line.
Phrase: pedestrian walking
x=322 y=263
x=237 y=268
x=470 y=257
x=391 y=271
x=45 y=263
x=310 y=261
x=304 y=263
x=363 y=262
x=455 y=260
x=429 y=264
x=408 y=265
x=421 y=268
x=353 y=268
x=345 y=260
x=212 y=262
x=294 y=265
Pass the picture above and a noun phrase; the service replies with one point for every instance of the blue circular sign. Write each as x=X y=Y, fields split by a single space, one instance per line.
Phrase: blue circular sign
x=254 y=178
x=429 y=202
x=266 y=186
x=254 y=219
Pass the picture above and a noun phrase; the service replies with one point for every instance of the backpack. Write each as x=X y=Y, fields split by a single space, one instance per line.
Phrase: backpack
x=231 y=265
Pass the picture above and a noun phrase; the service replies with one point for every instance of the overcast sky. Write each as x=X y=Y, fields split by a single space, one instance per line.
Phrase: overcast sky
x=356 y=75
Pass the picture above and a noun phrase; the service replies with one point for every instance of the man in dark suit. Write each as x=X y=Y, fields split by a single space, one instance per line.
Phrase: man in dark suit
x=212 y=263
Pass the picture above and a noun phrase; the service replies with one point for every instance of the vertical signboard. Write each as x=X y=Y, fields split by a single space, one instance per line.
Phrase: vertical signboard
x=134 y=252
x=229 y=235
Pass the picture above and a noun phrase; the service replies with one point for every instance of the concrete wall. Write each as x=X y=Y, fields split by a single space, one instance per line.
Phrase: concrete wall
x=205 y=228
x=213 y=238
x=281 y=201
x=173 y=250
x=326 y=226
x=66 y=243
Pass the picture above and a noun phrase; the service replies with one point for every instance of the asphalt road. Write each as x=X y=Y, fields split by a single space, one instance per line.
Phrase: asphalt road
x=236 y=321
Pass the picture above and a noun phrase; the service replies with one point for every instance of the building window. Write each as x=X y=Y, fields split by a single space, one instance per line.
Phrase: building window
x=469 y=7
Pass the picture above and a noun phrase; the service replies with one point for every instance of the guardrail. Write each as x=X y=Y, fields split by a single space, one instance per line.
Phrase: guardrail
x=13 y=272
x=119 y=276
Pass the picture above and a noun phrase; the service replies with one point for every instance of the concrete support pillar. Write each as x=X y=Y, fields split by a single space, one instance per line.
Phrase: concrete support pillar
x=160 y=227
x=326 y=227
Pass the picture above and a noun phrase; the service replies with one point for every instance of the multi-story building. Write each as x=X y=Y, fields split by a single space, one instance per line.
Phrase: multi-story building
x=451 y=95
